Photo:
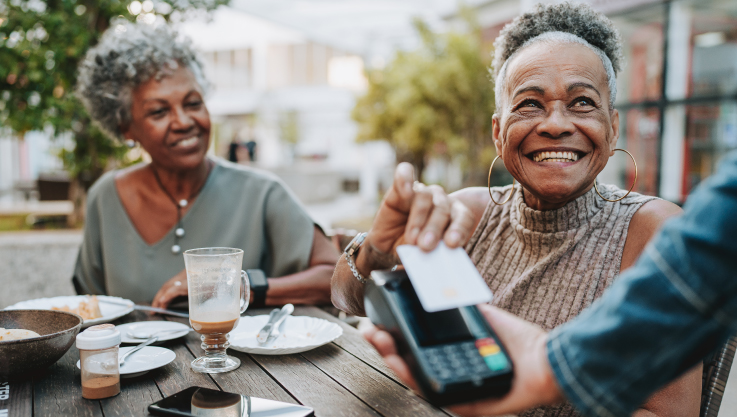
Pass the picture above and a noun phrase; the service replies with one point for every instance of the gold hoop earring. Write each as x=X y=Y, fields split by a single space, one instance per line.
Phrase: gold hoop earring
x=633 y=182
x=488 y=182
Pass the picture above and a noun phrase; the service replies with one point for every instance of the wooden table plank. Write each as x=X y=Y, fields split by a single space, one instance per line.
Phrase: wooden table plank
x=376 y=389
x=312 y=387
x=59 y=393
x=248 y=379
x=135 y=396
x=307 y=383
x=352 y=341
x=16 y=398
x=245 y=380
x=178 y=375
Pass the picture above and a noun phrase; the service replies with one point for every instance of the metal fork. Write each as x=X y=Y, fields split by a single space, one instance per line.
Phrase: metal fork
x=276 y=332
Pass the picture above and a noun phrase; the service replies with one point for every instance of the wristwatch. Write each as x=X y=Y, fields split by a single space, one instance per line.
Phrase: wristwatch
x=352 y=249
x=259 y=286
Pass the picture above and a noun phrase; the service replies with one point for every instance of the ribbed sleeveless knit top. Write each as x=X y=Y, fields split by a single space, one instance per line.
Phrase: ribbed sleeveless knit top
x=547 y=266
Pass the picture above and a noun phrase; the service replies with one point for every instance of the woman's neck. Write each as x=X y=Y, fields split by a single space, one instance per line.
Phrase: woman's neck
x=182 y=184
x=536 y=203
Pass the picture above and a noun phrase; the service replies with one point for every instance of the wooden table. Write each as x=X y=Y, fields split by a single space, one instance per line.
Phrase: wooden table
x=343 y=378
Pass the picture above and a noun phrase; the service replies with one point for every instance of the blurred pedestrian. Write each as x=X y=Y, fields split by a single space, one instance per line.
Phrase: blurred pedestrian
x=233 y=151
x=251 y=146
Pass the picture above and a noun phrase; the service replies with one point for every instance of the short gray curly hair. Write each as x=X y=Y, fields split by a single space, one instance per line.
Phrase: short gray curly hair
x=568 y=23
x=128 y=55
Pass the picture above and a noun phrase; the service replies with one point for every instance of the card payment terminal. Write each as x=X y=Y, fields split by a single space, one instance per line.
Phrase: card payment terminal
x=454 y=354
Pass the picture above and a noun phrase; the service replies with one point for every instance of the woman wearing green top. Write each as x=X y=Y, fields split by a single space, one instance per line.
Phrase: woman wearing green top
x=144 y=83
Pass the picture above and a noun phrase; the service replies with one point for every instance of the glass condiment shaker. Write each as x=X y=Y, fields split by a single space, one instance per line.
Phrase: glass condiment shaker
x=98 y=359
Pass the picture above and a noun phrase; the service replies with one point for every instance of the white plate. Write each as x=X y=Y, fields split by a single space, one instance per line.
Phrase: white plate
x=152 y=327
x=146 y=359
x=298 y=334
x=115 y=309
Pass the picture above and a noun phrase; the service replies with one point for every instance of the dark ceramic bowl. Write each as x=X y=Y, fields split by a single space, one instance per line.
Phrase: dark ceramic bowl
x=58 y=330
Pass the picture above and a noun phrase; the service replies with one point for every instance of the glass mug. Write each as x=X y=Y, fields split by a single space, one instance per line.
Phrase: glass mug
x=220 y=404
x=218 y=295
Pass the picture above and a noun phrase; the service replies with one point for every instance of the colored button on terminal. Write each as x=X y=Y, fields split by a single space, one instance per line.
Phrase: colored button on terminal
x=496 y=362
x=489 y=350
x=485 y=342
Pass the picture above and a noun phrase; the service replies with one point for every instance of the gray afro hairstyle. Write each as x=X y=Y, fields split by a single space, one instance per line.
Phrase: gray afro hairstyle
x=128 y=55
x=567 y=23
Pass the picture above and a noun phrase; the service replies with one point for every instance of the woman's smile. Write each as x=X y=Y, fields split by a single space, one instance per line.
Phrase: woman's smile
x=557 y=156
x=187 y=144
x=554 y=166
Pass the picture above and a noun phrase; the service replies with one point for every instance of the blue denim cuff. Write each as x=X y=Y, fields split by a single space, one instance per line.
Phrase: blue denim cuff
x=576 y=392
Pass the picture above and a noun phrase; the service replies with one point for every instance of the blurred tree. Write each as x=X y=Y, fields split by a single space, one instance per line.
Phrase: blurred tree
x=436 y=101
x=41 y=44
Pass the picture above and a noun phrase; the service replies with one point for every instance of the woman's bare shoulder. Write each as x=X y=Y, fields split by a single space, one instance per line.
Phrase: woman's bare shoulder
x=132 y=172
x=644 y=224
x=132 y=176
x=652 y=214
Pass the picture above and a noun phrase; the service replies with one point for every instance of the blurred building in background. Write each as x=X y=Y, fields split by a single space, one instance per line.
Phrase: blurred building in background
x=677 y=94
x=285 y=76
x=284 y=100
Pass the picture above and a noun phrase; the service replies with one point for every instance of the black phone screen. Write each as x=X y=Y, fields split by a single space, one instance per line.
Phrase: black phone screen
x=197 y=401
x=436 y=328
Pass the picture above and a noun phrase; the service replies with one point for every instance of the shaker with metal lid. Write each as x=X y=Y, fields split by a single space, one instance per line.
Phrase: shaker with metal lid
x=98 y=359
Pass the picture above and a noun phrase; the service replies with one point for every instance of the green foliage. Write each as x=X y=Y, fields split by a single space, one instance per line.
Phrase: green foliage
x=41 y=44
x=434 y=102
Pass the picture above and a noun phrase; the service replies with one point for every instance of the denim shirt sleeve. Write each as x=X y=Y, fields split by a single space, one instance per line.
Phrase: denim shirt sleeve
x=677 y=304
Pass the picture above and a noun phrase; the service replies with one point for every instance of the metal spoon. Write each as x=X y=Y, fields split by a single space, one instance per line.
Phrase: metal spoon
x=121 y=361
x=147 y=335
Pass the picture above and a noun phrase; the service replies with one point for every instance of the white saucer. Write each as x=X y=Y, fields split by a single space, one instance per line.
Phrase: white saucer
x=152 y=327
x=298 y=334
x=111 y=307
x=144 y=360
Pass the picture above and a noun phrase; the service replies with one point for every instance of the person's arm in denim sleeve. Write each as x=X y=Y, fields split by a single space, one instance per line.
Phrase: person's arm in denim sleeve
x=677 y=304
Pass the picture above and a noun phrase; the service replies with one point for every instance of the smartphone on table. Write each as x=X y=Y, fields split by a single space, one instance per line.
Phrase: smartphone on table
x=205 y=402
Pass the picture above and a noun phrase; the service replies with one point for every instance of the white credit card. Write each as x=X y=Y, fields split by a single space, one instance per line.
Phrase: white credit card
x=444 y=278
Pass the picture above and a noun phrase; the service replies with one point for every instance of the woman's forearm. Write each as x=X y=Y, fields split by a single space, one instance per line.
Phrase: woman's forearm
x=309 y=287
x=346 y=290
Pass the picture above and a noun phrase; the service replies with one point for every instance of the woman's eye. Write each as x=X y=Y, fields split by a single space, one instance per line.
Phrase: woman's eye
x=583 y=102
x=529 y=104
x=194 y=104
x=156 y=112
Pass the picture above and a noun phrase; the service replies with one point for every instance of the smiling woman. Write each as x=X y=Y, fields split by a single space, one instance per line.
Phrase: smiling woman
x=143 y=83
x=552 y=248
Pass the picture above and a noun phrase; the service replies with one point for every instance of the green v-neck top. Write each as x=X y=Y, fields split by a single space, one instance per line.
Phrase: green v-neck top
x=238 y=207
